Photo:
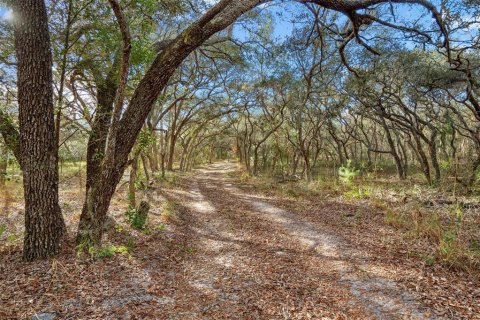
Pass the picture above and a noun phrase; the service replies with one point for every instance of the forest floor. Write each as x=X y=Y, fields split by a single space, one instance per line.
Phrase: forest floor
x=217 y=248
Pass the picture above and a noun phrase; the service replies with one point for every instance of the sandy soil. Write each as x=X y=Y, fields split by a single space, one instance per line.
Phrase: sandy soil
x=228 y=254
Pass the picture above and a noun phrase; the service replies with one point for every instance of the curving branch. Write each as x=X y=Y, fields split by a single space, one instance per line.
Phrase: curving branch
x=350 y=8
x=123 y=77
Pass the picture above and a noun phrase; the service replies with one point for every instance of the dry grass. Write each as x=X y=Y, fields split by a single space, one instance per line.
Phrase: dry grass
x=452 y=233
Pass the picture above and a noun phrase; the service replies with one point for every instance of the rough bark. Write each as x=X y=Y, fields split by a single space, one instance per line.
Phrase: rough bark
x=98 y=135
x=44 y=225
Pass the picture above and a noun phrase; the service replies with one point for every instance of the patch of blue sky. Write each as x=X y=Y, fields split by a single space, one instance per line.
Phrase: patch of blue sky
x=285 y=19
x=5 y=13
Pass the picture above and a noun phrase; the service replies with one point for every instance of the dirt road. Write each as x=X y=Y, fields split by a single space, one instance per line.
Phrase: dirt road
x=253 y=260
x=229 y=254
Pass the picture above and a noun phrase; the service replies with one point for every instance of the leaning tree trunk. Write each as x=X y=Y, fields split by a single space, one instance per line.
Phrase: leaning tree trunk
x=99 y=194
x=97 y=139
x=422 y=158
x=44 y=225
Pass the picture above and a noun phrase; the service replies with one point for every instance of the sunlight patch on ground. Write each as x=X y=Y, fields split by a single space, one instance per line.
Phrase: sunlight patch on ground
x=381 y=296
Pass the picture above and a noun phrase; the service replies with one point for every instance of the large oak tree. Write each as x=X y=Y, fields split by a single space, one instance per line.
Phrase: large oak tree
x=114 y=133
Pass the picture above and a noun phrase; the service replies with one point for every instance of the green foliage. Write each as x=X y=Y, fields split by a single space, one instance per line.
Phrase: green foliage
x=347 y=173
x=187 y=249
x=2 y=229
x=145 y=139
x=104 y=251
x=160 y=227
x=359 y=193
x=130 y=244
x=446 y=164
x=107 y=251
x=135 y=219
x=476 y=183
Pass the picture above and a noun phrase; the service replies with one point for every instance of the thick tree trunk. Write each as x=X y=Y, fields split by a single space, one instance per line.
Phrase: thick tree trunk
x=44 y=225
x=98 y=136
x=95 y=208
x=308 y=168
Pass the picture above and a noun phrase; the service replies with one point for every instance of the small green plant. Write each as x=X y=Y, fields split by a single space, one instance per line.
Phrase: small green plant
x=474 y=245
x=2 y=229
x=12 y=238
x=187 y=249
x=135 y=219
x=360 y=193
x=104 y=252
x=430 y=260
x=160 y=227
x=347 y=173
x=130 y=244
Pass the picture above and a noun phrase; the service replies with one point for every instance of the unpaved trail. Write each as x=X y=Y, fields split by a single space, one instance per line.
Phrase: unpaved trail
x=253 y=260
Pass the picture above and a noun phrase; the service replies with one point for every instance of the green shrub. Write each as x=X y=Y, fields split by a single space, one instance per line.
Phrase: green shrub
x=347 y=173
x=135 y=219
x=107 y=251
x=360 y=193
x=160 y=227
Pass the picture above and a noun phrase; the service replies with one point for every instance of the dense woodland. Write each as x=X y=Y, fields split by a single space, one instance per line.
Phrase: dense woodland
x=358 y=98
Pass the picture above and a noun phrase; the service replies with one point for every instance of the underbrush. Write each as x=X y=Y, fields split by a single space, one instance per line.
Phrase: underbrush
x=290 y=189
x=452 y=240
x=169 y=211
x=451 y=233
